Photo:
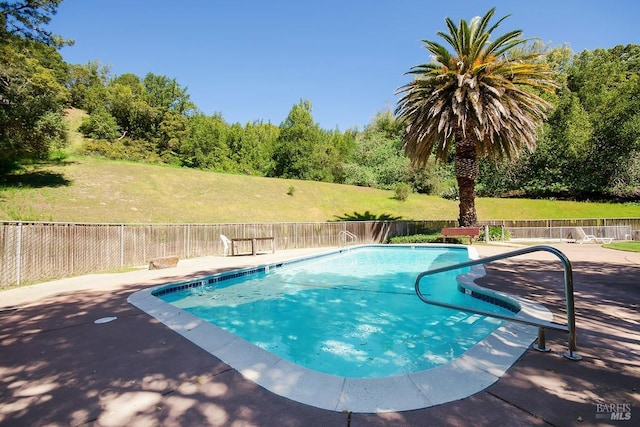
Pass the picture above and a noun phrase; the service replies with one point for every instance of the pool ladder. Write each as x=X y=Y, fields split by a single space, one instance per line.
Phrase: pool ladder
x=570 y=327
x=347 y=235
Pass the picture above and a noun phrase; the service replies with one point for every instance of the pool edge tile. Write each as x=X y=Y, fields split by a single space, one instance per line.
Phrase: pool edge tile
x=390 y=394
x=303 y=385
x=454 y=381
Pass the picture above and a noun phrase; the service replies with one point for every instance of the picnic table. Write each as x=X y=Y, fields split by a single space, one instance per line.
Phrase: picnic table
x=254 y=244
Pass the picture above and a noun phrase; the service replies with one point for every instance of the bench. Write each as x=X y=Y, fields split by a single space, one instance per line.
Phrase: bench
x=254 y=244
x=470 y=232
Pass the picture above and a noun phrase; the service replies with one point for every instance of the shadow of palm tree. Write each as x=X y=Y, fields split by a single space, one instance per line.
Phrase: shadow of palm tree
x=379 y=228
x=367 y=216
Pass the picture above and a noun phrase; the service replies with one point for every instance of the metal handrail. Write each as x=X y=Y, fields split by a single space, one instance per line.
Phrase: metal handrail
x=349 y=234
x=568 y=288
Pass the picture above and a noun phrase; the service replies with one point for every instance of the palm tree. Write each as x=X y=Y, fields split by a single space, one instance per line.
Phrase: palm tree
x=479 y=101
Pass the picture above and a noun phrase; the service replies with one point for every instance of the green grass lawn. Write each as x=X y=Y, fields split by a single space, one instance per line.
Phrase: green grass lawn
x=624 y=246
x=85 y=189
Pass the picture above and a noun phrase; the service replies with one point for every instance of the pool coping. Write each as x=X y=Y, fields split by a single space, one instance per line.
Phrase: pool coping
x=468 y=374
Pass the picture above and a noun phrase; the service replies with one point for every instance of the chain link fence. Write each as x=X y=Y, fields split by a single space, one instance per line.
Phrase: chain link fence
x=566 y=230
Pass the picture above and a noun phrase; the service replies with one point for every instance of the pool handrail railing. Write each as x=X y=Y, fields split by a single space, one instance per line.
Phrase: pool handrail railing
x=348 y=235
x=570 y=327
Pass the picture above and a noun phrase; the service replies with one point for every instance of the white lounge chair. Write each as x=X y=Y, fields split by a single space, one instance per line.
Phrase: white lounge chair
x=588 y=238
x=227 y=244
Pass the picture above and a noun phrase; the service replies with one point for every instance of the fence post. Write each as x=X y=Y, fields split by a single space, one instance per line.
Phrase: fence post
x=19 y=254
x=188 y=248
x=121 y=245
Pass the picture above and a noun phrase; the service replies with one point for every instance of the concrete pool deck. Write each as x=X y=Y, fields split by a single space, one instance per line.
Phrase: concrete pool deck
x=58 y=367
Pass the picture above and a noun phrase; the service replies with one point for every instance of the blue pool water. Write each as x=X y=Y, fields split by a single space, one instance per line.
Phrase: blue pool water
x=351 y=314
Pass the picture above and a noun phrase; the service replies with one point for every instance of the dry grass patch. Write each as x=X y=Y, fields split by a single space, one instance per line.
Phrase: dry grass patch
x=84 y=189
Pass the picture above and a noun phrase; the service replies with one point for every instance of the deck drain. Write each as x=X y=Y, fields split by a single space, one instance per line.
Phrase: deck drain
x=105 y=319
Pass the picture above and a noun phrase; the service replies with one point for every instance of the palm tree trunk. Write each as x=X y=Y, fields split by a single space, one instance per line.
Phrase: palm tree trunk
x=466 y=170
x=467 y=192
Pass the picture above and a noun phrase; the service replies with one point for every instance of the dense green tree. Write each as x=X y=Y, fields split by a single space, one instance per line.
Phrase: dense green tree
x=258 y=145
x=27 y=19
x=86 y=85
x=302 y=150
x=252 y=146
x=590 y=145
x=206 y=146
x=560 y=165
x=378 y=159
x=126 y=100
x=388 y=124
x=100 y=125
x=343 y=148
x=607 y=82
x=172 y=106
x=560 y=60
x=31 y=75
x=31 y=104
x=166 y=94
x=154 y=109
x=567 y=143
x=174 y=129
x=474 y=101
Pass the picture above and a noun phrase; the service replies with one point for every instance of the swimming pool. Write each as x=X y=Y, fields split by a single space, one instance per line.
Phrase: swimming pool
x=351 y=314
x=329 y=334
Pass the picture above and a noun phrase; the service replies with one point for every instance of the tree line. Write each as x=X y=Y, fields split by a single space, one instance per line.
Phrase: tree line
x=588 y=148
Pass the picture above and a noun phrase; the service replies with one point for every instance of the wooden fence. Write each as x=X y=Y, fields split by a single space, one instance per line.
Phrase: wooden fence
x=38 y=251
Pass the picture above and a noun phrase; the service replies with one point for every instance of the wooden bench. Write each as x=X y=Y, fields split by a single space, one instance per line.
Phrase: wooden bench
x=470 y=232
x=254 y=244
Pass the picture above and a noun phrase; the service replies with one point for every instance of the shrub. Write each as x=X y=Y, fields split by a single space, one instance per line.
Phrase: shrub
x=495 y=233
x=416 y=238
x=135 y=150
x=100 y=125
x=450 y=194
x=402 y=191
x=51 y=130
x=98 y=148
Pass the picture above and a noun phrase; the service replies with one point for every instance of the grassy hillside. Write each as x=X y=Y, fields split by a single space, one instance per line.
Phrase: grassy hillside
x=82 y=189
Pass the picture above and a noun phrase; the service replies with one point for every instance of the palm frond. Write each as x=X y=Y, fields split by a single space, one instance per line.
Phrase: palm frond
x=504 y=43
x=477 y=47
x=441 y=53
x=452 y=36
x=464 y=34
x=484 y=21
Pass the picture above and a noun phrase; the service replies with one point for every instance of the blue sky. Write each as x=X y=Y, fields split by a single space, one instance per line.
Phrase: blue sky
x=253 y=60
